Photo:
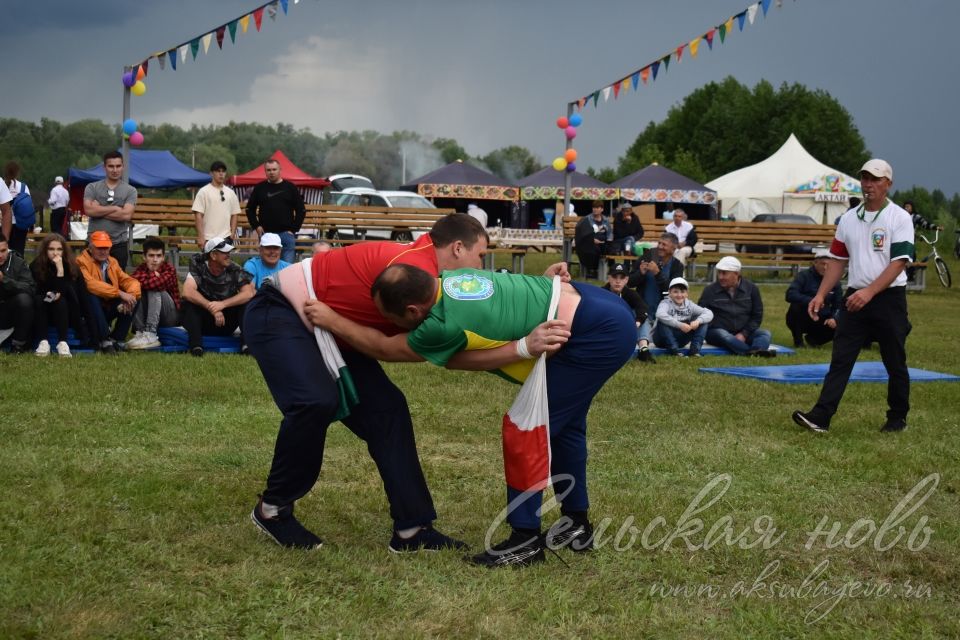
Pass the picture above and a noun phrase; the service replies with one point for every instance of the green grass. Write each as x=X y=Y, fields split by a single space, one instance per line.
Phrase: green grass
x=127 y=484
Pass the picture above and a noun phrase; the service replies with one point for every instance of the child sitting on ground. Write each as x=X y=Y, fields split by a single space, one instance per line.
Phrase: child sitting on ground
x=680 y=321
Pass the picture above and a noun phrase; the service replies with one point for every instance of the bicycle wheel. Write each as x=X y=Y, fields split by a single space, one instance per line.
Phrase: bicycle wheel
x=942 y=272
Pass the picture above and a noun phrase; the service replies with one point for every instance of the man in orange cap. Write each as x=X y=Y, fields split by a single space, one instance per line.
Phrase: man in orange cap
x=111 y=293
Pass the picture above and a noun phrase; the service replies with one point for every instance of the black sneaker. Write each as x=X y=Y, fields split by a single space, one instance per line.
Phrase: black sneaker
x=695 y=353
x=108 y=347
x=196 y=352
x=762 y=353
x=285 y=529
x=644 y=355
x=427 y=539
x=894 y=424
x=570 y=534
x=519 y=550
x=810 y=422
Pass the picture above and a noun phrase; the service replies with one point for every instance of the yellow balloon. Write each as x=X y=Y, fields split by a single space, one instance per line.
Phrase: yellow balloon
x=139 y=88
x=559 y=164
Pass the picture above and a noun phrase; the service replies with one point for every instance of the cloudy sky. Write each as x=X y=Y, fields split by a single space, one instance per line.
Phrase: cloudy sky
x=492 y=73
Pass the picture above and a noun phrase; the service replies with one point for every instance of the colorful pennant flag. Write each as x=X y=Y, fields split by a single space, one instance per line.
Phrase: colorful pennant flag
x=162 y=59
x=258 y=17
x=221 y=31
x=245 y=22
x=173 y=58
x=283 y=3
x=233 y=31
x=183 y=52
x=207 y=39
x=643 y=74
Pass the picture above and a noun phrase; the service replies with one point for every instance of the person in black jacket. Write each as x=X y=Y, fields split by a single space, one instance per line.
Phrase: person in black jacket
x=16 y=298
x=276 y=206
x=737 y=312
x=799 y=295
x=58 y=294
x=590 y=238
x=651 y=279
x=617 y=283
x=627 y=230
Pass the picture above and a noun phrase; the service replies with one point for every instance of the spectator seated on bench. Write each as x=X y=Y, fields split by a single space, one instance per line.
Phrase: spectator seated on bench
x=651 y=279
x=59 y=289
x=111 y=294
x=686 y=235
x=16 y=298
x=268 y=262
x=627 y=231
x=590 y=238
x=160 y=296
x=215 y=295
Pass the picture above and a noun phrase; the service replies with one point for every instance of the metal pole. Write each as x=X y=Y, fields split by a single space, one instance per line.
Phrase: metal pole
x=567 y=181
x=125 y=143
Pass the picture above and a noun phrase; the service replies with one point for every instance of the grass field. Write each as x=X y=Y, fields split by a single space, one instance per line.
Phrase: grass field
x=127 y=484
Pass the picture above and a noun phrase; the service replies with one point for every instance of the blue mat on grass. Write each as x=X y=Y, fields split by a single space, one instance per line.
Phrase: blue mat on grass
x=815 y=373
x=175 y=340
x=710 y=350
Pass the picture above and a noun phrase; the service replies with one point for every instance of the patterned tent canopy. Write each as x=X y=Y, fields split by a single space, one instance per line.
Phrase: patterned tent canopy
x=548 y=184
x=659 y=184
x=461 y=180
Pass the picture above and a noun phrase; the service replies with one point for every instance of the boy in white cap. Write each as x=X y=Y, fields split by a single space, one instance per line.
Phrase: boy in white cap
x=874 y=242
x=737 y=312
x=680 y=321
x=268 y=262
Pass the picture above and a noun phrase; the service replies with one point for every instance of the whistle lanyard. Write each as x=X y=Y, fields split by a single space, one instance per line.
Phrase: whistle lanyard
x=862 y=211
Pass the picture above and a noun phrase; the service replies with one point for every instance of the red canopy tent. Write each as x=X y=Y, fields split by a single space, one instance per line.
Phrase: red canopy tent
x=309 y=186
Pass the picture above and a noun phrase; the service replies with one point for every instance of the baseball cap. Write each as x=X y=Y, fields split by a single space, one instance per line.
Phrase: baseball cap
x=729 y=263
x=218 y=244
x=58 y=179
x=270 y=240
x=625 y=205
x=879 y=168
x=101 y=239
x=618 y=269
x=821 y=253
x=678 y=282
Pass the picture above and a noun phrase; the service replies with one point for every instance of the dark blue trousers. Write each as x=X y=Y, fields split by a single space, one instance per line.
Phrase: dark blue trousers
x=604 y=336
x=306 y=395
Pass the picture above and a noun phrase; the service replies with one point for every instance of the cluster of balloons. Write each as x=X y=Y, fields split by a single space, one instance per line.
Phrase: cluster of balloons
x=130 y=132
x=567 y=162
x=133 y=80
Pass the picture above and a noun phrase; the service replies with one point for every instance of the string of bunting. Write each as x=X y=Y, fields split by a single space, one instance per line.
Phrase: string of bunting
x=192 y=46
x=644 y=74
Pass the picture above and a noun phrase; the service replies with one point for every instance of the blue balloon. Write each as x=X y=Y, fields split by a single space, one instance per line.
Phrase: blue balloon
x=129 y=126
x=571 y=167
x=576 y=120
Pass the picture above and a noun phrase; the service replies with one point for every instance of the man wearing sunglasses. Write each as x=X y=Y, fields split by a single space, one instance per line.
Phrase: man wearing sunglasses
x=109 y=203
x=216 y=207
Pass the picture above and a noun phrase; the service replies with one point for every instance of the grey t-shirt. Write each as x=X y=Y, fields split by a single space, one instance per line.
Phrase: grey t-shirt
x=123 y=193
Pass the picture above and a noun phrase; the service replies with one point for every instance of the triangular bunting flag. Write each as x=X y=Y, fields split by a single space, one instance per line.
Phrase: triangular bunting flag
x=272 y=10
x=183 y=52
x=766 y=5
x=694 y=45
x=616 y=90
x=606 y=93
x=207 y=39
x=729 y=25
x=752 y=12
x=162 y=59
x=581 y=103
x=666 y=62
x=723 y=32
x=708 y=36
x=655 y=66
x=283 y=3
x=741 y=17
x=644 y=74
x=596 y=96
x=245 y=22
x=680 y=52
x=233 y=31
x=221 y=31
x=146 y=63
x=636 y=79
x=195 y=47
x=172 y=54
x=258 y=17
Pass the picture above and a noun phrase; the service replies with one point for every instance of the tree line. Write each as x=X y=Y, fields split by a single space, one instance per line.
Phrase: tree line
x=718 y=128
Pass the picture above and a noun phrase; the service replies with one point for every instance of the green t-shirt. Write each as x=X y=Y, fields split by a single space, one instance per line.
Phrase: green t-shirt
x=482 y=310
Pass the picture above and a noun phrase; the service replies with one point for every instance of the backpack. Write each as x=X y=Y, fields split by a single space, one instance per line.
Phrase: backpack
x=24 y=214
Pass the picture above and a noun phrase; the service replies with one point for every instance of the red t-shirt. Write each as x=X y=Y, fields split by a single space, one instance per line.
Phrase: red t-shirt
x=342 y=278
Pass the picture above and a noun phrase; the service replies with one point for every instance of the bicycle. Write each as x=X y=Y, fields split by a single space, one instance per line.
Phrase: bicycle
x=956 y=244
x=943 y=273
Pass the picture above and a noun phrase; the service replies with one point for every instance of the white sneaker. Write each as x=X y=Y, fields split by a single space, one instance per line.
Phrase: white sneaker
x=43 y=349
x=63 y=350
x=135 y=341
x=150 y=340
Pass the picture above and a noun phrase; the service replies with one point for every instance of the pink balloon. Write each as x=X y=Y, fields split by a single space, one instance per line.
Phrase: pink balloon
x=571 y=132
x=136 y=138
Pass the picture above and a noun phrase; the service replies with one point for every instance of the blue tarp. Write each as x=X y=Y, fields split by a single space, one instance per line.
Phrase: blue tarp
x=815 y=373
x=148 y=170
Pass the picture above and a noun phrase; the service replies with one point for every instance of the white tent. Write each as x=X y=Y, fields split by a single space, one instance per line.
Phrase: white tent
x=789 y=181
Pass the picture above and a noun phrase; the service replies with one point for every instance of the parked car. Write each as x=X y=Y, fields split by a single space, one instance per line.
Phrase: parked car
x=366 y=197
x=344 y=181
x=781 y=218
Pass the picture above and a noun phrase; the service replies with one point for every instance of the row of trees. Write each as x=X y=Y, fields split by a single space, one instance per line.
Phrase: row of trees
x=718 y=128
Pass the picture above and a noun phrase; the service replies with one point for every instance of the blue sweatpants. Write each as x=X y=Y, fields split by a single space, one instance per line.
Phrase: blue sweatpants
x=603 y=339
